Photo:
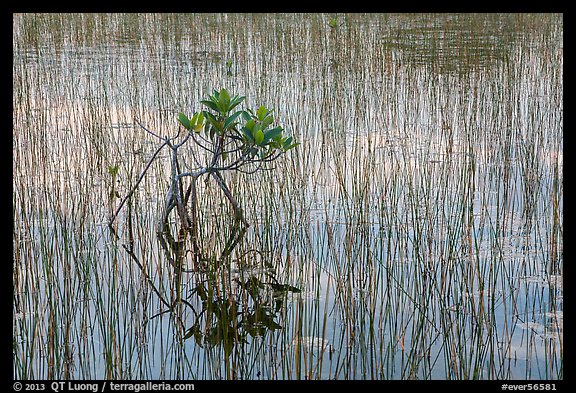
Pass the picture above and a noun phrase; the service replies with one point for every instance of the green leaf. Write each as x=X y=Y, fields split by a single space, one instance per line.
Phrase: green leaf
x=290 y=288
x=183 y=119
x=215 y=123
x=224 y=100
x=248 y=134
x=235 y=101
x=250 y=125
x=231 y=119
x=287 y=144
x=210 y=104
x=284 y=288
x=267 y=121
x=246 y=116
x=199 y=122
x=261 y=112
x=272 y=133
x=189 y=333
x=113 y=170
x=258 y=136
x=291 y=146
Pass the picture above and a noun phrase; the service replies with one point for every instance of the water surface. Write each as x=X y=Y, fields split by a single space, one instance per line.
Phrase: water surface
x=421 y=218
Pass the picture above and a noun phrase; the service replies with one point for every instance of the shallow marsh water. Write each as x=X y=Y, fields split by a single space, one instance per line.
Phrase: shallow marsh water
x=421 y=217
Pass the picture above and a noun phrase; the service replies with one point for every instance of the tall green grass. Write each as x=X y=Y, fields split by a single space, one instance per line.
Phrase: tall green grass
x=422 y=215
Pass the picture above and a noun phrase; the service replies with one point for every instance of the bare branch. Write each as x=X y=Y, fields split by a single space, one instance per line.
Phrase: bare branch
x=150 y=132
x=137 y=182
x=201 y=145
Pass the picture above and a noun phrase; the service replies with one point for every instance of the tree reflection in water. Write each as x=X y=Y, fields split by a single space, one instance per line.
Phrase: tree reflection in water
x=229 y=314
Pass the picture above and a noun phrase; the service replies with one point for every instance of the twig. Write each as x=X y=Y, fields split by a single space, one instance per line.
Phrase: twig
x=137 y=183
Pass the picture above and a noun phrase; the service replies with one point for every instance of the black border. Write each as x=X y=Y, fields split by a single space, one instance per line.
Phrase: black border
x=296 y=7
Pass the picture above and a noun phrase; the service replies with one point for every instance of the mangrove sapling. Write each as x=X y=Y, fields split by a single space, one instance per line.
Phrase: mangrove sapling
x=242 y=141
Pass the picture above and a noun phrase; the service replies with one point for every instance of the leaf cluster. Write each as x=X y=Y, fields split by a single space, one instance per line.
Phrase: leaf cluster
x=252 y=133
x=228 y=321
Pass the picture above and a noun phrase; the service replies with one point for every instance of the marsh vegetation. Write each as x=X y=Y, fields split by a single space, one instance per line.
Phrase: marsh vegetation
x=415 y=233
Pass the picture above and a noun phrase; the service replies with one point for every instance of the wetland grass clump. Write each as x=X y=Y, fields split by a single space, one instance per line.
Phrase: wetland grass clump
x=416 y=233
